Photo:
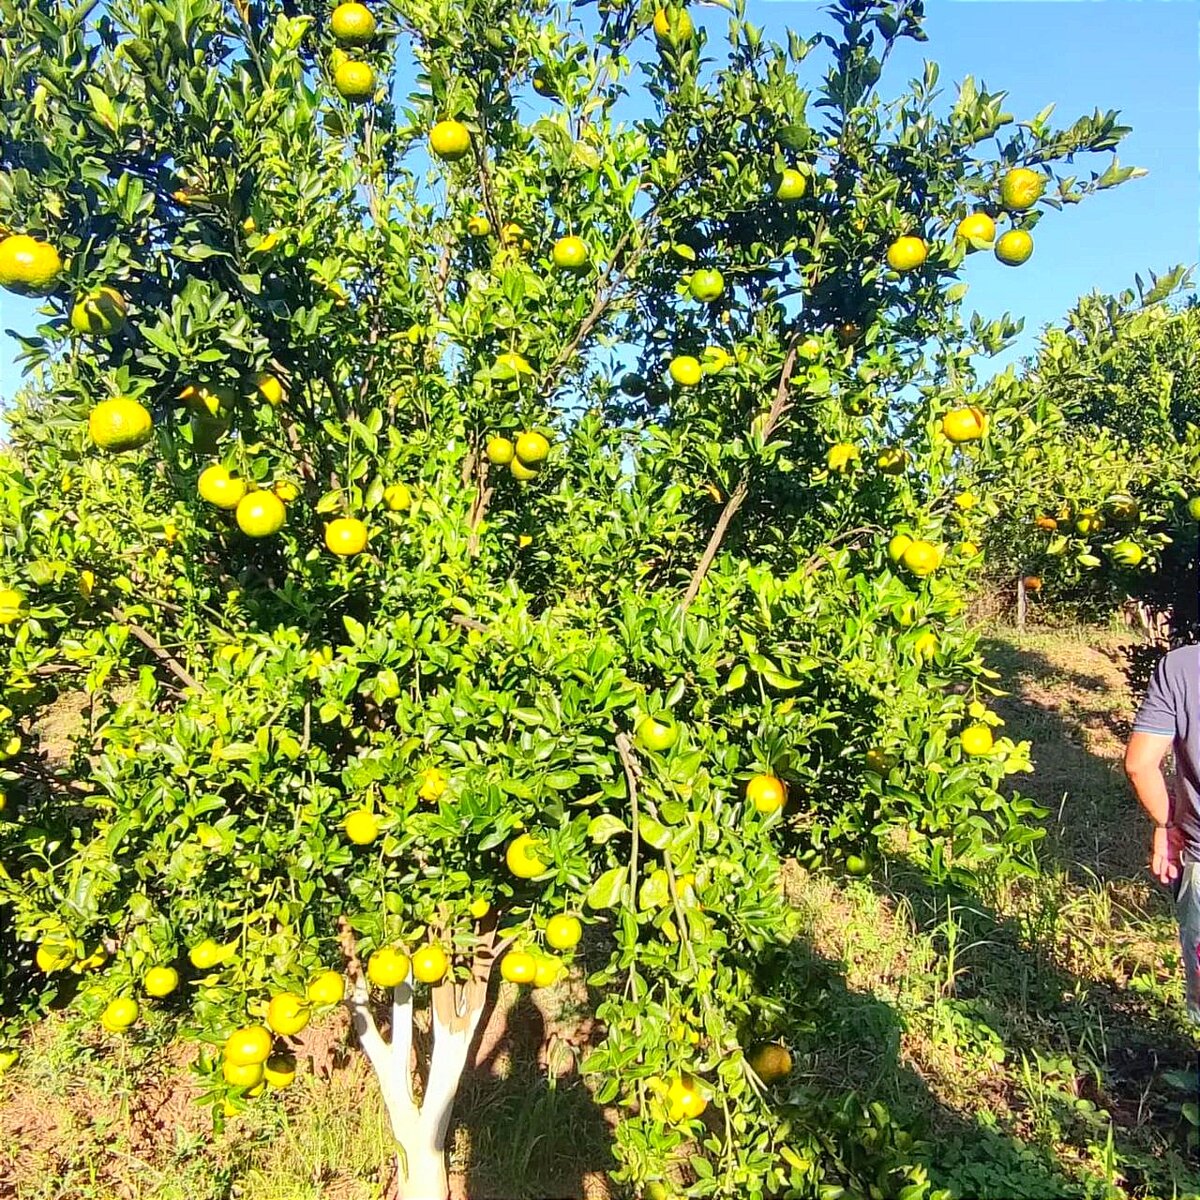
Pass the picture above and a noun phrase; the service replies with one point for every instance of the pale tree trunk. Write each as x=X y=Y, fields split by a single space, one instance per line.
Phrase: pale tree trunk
x=421 y=1129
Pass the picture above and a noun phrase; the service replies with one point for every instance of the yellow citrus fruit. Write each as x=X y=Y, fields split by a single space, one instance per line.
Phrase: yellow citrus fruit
x=771 y=1062
x=672 y=26
x=54 y=954
x=518 y=967
x=260 y=514
x=522 y=471
x=563 y=931
x=27 y=264
x=715 y=359
x=327 y=988
x=450 y=140
x=479 y=908
x=542 y=83
x=511 y=363
x=245 y=1075
x=346 y=536
x=250 y=1044
x=119 y=1014
x=387 y=967
x=479 y=226
x=280 y=1070
x=397 y=497
x=3 y=800
x=706 y=285
x=841 y=457
x=219 y=488
x=791 y=185
x=287 y=1013
x=99 y=313
x=1089 y=521
x=879 y=760
x=907 y=253
x=522 y=860
x=1014 y=247
x=570 y=254
x=964 y=424
x=207 y=954
x=433 y=784
x=361 y=826
x=120 y=424
x=352 y=24
x=12 y=606
x=1021 y=188
x=532 y=448
x=685 y=1098
x=977 y=225
x=500 y=451
x=1126 y=553
x=355 y=81
x=892 y=460
x=976 y=739
x=921 y=558
x=926 y=645
x=286 y=490
x=685 y=370
x=160 y=981
x=766 y=793
x=966 y=501
x=657 y=733
x=429 y=963
x=270 y=389
x=548 y=970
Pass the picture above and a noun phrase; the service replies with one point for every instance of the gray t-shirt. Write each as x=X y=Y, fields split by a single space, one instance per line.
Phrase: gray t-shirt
x=1172 y=708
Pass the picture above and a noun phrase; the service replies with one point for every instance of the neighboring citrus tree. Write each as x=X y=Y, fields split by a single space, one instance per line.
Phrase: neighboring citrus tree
x=1103 y=503
x=493 y=525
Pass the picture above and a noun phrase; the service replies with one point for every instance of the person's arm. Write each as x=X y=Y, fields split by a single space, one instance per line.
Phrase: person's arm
x=1143 y=766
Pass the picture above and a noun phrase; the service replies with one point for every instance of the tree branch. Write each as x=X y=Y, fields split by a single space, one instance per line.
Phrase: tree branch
x=155 y=647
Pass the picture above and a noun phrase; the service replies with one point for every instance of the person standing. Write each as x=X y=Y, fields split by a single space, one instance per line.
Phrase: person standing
x=1169 y=720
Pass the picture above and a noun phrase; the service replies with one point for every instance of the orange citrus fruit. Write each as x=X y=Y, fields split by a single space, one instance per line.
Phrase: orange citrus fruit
x=907 y=253
x=429 y=963
x=977 y=225
x=327 y=988
x=250 y=1044
x=120 y=424
x=27 y=264
x=791 y=185
x=921 y=558
x=244 y=1075
x=361 y=826
x=685 y=370
x=500 y=451
x=160 y=981
x=964 y=424
x=346 y=536
x=387 y=967
x=220 y=488
x=260 y=514
x=563 y=931
x=532 y=448
x=280 y=1070
x=119 y=1014
x=1021 y=188
x=976 y=739
x=672 y=26
x=450 y=140
x=766 y=793
x=570 y=254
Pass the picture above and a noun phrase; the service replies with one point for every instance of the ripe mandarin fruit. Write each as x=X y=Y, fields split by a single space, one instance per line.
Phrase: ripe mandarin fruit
x=841 y=457
x=397 y=497
x=99 y=313
x=521 y=858
x=522 y=472
x=672 y=26
x=766 y=793
x=287 y=1013
x=518 y=967
x=657 y=733
x=12 y=606
x=978 y=226
x=1033 y=583
x=327 y=988
x=270 y=389
x=771 y=1062
x=964 y=424
x=206 y=954
x=387 y=967
x=54 y=954
x=433 y=784
x=547 y=971
x=570 y=254
x=286 y=490
x=1193 y=507
x=685 y=1098
x=119 y=1014
x=361 y=826
x=27 y=264
x=1021 y=188
x=280 y=1070
x=450 y=140
x=921 y=558
x=897 y=546
x=926 y=645
x=220 y=488
x=479 y=226
x=685 y=370
x=892 y=460
x=250 y=1044
x=352 y=24
x=355 y=81
x=791 y=185
x=976 y=739
x=120 y=424
x=479 y=908
x=429 y=963
x=907 y=253
x=1014 y=247
x=346 y=536
x=500 y=451
x=1047 y=523
x=244 y=1075
x=706 y=285
x=563 y=931
x=532 y=448
x=1126 y=553
x=160 y=981
x=260 y=514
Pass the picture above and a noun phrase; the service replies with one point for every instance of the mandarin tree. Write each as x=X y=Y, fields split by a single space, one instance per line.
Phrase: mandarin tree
x=450 y=569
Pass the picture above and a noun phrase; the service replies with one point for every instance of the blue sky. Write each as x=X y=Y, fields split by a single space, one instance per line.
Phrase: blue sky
x=1141 y=57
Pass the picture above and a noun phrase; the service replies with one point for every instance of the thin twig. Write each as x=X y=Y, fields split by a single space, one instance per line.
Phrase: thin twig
x=155 y=647
x=632 y=771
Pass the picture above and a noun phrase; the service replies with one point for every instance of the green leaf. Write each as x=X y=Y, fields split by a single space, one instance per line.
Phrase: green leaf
x=606 y=891
x=604 y=827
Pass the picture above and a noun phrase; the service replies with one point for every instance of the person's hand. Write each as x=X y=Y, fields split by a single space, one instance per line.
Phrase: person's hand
x=1164 y=855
